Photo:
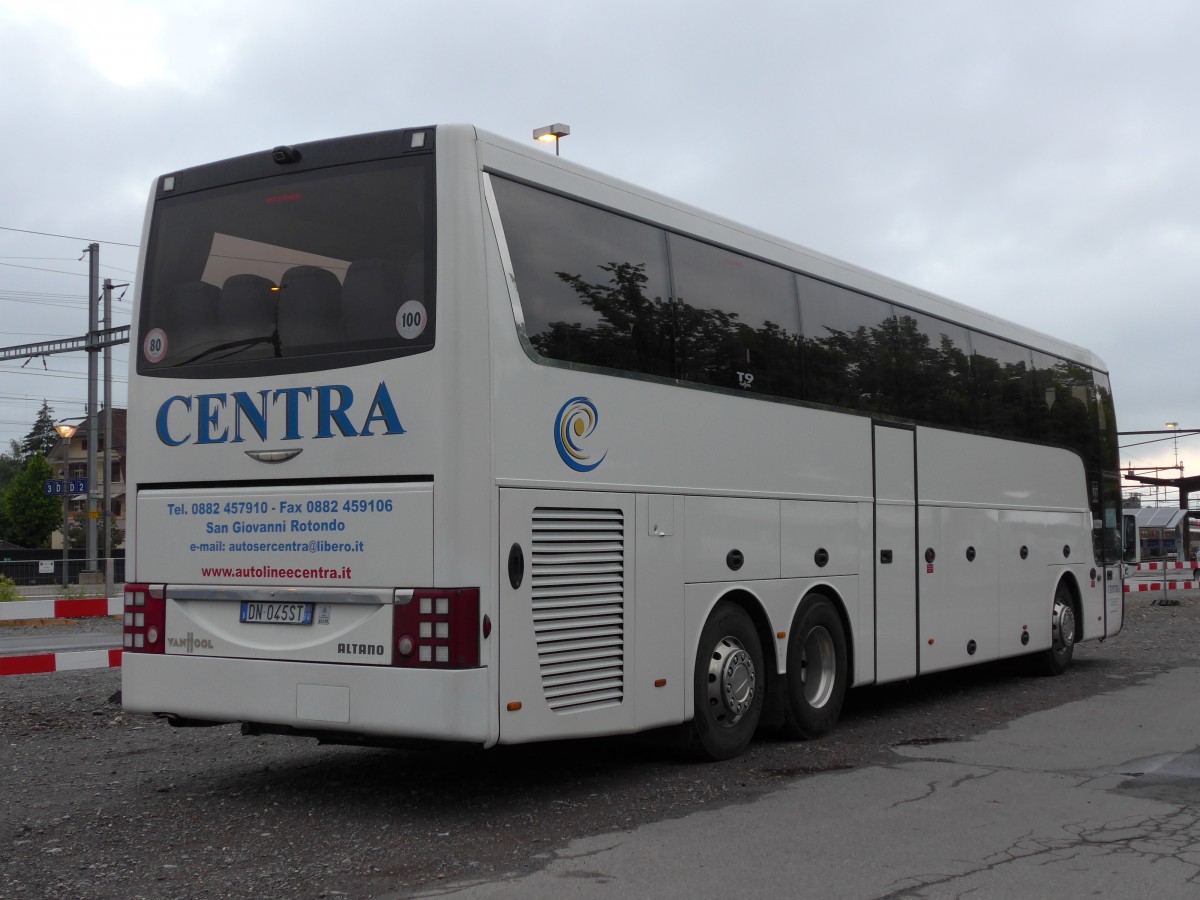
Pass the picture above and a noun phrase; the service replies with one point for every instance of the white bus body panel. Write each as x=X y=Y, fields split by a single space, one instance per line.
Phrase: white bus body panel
x=374 y=535
x=443 y=538
x=895 y=554
x=982 y=500
x=434 y=705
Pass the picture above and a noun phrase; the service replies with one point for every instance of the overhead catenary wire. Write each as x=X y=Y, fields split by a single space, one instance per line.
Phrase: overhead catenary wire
x=1182 y=436
x=68 y=237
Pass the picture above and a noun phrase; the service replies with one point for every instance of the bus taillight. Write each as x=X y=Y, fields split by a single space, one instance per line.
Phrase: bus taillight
x=436 y=628
x=145 y=618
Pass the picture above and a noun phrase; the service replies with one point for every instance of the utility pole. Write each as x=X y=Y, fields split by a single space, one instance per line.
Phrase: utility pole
x=107 y=519
x=93 y=378
x=92 y=342
x=108 y=442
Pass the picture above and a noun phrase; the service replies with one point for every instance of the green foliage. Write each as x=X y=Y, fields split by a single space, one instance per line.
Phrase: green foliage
x=8 y=590
x=71 y=592
x=10 y=467
x=11 y=463
x=41 y=437
x=77 y=531
x=30 y=515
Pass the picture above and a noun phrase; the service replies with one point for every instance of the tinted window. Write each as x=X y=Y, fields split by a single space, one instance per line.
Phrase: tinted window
x=277 y=274
x=932 y=370
x=1001 y=386
x=593 y=286
x=1063 y=404
x=847 y=350
x=738 y=324
x=605 y=290
x=1106 y=419
x=1109 y=541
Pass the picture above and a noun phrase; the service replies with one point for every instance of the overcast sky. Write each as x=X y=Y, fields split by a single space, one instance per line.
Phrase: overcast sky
x=1037 y=159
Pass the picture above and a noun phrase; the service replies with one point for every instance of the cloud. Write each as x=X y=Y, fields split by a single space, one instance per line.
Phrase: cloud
x=1033 y=160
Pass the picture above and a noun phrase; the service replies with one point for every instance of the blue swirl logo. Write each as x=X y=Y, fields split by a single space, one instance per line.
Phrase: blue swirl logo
x=574 y=424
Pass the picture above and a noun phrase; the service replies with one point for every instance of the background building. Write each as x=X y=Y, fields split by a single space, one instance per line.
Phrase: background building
x=68 y=458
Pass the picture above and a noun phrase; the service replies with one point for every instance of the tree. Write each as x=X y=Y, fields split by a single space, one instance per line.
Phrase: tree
x=31 y=515
x=11 y=463
x=77 y=531
x=41 y=437
x=10 y=467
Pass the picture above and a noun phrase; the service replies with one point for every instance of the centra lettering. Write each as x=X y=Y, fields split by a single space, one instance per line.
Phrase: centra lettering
x=289 y=414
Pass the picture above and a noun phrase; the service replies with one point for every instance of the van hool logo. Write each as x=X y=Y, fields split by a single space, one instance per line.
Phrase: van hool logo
x=190 y=644
x=574 y=424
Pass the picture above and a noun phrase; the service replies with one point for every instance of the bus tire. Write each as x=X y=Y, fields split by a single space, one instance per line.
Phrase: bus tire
x=729 y=686
x=816 y=669
x=1063 y=633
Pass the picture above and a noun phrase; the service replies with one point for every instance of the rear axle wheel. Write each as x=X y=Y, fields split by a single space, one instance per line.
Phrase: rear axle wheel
x=728 y=688
x=816 y=669
x=1063 y=633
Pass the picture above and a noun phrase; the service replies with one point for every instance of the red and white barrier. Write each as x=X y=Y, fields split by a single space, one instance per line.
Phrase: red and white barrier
x=1163 y=566
x=19 y=610
x=60 y=662
x=1143 y=586
x=67 y=661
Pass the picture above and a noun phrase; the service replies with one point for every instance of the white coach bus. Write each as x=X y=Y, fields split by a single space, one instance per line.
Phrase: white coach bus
x=437 y=437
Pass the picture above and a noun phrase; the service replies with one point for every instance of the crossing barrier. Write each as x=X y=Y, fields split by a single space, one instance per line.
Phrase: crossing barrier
x=1141 y=587
x=20 y=610
x=68 y=661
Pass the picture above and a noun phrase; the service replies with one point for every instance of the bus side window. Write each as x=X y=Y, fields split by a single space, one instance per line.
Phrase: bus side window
x=594 y=286
x=738 y=320
x=1132 y=549
x=847 y=355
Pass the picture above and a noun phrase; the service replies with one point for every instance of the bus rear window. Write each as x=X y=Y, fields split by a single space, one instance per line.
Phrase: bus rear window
x=291 y=273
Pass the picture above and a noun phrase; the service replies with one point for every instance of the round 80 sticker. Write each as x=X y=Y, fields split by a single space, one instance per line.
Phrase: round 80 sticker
x=411 y=320
x=154 y=347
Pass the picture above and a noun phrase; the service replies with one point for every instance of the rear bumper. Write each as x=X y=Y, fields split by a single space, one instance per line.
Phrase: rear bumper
x=370 y=700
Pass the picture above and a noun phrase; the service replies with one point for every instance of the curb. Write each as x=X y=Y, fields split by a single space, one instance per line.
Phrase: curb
x=75 y=660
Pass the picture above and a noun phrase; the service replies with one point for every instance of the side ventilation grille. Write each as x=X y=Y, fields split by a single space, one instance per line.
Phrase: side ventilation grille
x=578 y=582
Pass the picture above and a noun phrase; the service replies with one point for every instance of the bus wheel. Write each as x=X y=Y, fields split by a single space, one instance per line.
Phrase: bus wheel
x=729 y=685
x=816 y=669
x=1062 y=633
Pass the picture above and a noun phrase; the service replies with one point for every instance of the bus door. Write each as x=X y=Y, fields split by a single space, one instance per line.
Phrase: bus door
x=896 y=606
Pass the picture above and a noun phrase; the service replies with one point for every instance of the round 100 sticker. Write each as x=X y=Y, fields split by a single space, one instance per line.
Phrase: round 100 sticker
x=154 y=347
x=411 y=320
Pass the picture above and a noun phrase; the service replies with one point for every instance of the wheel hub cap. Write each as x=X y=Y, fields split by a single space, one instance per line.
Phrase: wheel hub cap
x=1063 y=626
x=817 y=662
x=731 y=681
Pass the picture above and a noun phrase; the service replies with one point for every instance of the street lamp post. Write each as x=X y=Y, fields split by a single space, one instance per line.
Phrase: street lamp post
x=66 y=431
x=552 y=133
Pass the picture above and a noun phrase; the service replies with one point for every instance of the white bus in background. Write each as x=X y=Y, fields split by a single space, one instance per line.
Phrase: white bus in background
x=434 y=436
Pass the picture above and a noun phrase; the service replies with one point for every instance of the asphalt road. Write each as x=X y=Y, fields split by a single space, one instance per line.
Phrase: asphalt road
x=51 y=640
x=1099 y=797
x=901 y=800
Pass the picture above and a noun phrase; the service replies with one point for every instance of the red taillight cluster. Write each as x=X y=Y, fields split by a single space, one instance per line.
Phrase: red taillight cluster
x=436 y=629
x=145 y=618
